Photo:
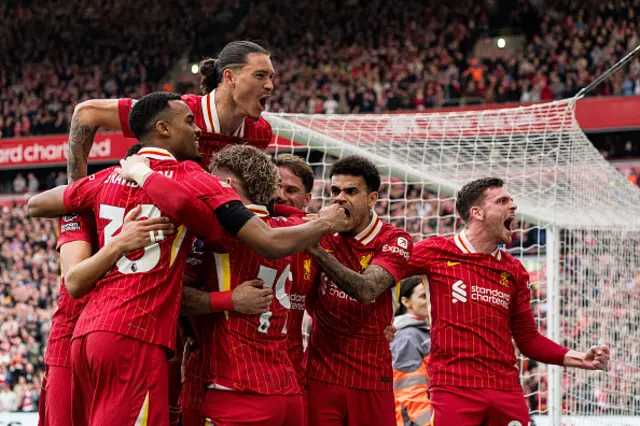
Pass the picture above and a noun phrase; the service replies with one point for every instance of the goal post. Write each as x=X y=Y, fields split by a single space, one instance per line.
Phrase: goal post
x=578 y=224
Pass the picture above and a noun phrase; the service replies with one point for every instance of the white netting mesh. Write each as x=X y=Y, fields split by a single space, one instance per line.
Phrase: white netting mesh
x=557 y=178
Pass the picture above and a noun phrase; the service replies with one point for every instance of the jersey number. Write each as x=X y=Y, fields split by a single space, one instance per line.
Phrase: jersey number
x=268 y=275
x=115 y=216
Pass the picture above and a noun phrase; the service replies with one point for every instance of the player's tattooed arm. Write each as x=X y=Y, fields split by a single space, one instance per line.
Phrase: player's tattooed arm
x=80 y=141
x=365 y=287
x=88 y=117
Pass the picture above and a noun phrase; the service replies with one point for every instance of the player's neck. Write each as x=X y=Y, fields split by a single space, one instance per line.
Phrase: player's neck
x=228 y=115
x=366 y=222
x=481 y=241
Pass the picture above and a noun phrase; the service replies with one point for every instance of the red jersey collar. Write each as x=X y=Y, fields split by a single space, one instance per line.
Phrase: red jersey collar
x=369 y=233
x=465 y=246
x=258 y=209
x=156 y=154
x=210 y=114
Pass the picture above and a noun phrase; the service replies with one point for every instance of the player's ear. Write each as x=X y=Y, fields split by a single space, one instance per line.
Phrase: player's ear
x=162 y=127
x=373 y=198
x=229 y=77
x=476 y=212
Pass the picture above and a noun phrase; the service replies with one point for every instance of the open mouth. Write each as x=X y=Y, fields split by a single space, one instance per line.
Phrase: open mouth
x=263 y=101
x=509 y=222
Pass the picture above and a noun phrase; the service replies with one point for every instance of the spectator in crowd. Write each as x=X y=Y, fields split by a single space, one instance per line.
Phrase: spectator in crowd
x=19 y=184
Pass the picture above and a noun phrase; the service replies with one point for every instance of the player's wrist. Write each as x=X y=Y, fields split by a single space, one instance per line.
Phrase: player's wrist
x=140 y=172
x=574 y=359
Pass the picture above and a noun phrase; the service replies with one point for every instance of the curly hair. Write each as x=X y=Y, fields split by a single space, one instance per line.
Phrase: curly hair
x=253 y=168
x=472 y=194
x=355 y=165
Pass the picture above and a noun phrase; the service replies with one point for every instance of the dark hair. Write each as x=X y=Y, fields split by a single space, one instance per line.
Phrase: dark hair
x=299 y=167
x=406 y=290
x=234 y=55
x=358 y=166
x=148 y=110
x=472 y=194
x=133 y=150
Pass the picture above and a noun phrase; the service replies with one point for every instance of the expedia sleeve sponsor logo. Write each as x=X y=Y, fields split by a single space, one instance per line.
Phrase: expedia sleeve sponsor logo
x=396 y=249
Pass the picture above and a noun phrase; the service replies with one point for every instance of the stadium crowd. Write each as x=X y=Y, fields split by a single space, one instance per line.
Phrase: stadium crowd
x=409 y=55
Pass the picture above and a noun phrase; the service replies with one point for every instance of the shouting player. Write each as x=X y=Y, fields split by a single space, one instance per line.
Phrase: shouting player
x=348 y=359
x=480 y=304
x=137 y=339
x=236 y=85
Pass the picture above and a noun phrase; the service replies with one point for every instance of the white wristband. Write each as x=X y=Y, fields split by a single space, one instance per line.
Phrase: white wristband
x=140 y=172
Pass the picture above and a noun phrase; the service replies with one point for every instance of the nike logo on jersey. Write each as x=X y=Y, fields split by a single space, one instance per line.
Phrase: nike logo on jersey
x=451 y=263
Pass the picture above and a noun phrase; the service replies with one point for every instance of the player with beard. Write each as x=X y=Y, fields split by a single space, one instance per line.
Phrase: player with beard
x=236 y=86
x=349 y=368
x=480 y=305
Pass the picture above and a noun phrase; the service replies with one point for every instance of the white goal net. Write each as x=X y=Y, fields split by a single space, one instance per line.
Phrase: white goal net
x=578 y=232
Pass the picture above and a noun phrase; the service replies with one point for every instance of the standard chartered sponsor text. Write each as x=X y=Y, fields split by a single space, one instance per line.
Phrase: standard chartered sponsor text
x=488 y=295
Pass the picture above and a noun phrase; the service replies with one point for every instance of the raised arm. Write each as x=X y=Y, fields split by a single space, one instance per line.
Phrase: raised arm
x=82 y=277
x=88 y=117
x=207 y=215
x=48 y=203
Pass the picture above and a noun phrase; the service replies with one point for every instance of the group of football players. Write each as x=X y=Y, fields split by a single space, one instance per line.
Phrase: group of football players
x=188 y=268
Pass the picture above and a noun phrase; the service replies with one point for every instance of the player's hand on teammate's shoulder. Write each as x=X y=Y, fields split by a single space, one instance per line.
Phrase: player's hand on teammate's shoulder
x=136 y=234
x=336 y=217
x=597 y=358
x=251 y=298
x=129 y=165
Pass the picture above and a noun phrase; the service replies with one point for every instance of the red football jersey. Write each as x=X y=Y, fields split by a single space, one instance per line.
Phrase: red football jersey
x=347 y=346
x=249 y=352
x=256 y=133
x=473 y=298
x=73 y=227
x=141 y=296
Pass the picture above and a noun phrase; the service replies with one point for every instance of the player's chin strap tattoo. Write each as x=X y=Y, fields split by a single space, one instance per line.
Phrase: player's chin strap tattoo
x=365 y=287
x=80 y=141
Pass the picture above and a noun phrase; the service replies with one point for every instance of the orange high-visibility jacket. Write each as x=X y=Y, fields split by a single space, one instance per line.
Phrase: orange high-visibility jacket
x=410 y=350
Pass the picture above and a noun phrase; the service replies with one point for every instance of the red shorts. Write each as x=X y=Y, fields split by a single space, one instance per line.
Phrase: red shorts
x=457 y=406
x=117 y=380
x=230 y=408
x=333 y=405
x=305 y=404
x=55 y=398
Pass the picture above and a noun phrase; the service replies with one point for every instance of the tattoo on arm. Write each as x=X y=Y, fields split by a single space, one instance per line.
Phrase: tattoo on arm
x=365 y=287
x=80 y=141
x=194 y=302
